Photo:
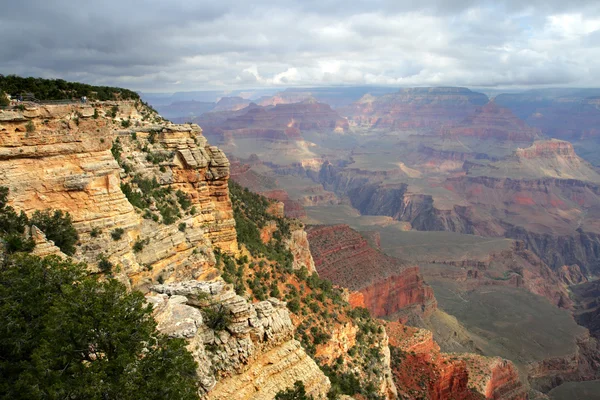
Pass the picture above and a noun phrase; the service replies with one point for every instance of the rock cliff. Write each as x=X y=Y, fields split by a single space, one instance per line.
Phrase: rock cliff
x=415 y=108
x=387 y=286
x=421 y=370
x=493 y=122
x=59 y=157
x=254 y=357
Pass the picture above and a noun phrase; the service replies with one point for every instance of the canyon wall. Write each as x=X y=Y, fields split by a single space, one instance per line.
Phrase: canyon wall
x=387 y=286
x=59 y=157
x=422 y=371
x=254 y=357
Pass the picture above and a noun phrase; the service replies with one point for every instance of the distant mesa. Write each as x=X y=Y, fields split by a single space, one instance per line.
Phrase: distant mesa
x=231 y=104
x=494 y=122
x=280 y=122
x=415 y=108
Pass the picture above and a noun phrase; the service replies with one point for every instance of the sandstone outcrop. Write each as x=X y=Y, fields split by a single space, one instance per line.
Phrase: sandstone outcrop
x=387 y=286
x=299 y=246
x=494 y=377
x=59 y=157
x=254 y=357
x=43 y=246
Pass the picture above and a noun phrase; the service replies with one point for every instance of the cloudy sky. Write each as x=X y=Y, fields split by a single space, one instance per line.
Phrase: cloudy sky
x=181 y=45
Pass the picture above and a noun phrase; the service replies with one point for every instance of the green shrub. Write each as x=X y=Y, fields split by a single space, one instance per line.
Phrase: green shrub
x=30 y=127
x=104 y=265
x=58 y=227
x=65 y=334
x=113 y=111
x=298 y=392
x=182 y=226
x=59 y=89
x=95 y=232
x=217 y=317
x=126 y=123
x=184 y=200
x=139 y=245
x=117 y=234
x=293 y=305
x=3 y=99
x=117 y=149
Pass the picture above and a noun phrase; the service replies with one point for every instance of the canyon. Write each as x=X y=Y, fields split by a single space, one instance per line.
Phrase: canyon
x=470 y=200
x=464 y=230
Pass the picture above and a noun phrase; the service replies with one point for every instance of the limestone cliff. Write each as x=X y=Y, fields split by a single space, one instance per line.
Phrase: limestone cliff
x=59 y=157
x=254 y=357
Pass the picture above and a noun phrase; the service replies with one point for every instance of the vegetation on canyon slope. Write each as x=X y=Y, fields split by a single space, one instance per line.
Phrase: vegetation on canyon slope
x=66 y=334
x=317 y=306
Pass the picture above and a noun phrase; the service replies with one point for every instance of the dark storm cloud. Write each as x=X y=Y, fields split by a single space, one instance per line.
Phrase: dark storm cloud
x=186 y=45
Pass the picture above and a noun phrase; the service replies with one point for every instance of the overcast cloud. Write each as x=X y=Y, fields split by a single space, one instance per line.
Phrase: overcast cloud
x=181 y=45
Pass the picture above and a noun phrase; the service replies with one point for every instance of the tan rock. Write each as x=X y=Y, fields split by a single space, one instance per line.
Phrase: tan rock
x=254 y=358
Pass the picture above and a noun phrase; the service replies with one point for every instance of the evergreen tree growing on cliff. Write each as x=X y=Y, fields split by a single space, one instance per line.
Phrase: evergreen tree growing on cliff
x=66 y=335
x=58 y=227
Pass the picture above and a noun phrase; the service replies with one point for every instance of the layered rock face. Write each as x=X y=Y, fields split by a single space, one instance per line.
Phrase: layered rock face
x=517 y=267
x=543 y=207
x=387 y=286
x=494 y=377
x=299 y=247
x=560 y=113
x=422 y=371
x=493 y=122
x=291 y=208
x=254 y=357
x=415 y=108
x=281 y=122
x=60 y=157
x=549 y=149
x=583 y=365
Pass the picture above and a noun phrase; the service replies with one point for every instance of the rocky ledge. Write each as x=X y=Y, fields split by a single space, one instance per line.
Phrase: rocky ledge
x=253 y=357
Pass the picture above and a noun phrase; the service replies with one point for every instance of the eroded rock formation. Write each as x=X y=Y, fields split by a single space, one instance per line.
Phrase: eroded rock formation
x=387 y=286
x=59 y=157
x=253 y=357
x=421 y=370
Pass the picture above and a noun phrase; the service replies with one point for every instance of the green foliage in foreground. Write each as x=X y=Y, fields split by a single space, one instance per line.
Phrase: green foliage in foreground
x=66 y=335
x=58 y=227
x=298 y=392
x=12 y=226
x=59 y=89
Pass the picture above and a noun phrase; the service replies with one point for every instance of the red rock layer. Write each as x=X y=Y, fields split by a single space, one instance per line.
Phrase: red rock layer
x=494 y=122
x=504 y=383
x=291 y=208
x=396 y=292
x=421 y=371
x=548 y=149
x=387 y=286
